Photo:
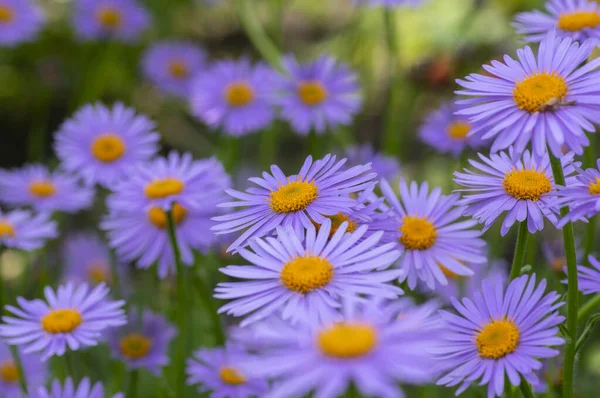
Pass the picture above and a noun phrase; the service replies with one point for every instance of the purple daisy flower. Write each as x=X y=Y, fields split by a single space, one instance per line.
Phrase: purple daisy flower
x=122 y=20
x=34 y=185
x=34 y=369
x=20 y=21
x=384 y=166
x=522 y=187
x=319 y=190
x=555 y=254
x=426 y=226
x=581 y=194
x=87 y=259
x=143 y=342
x=235 y=96
x=220 y=370
x=305 y=276
x=578 y=19
x=101 y=144
x=370 y=347
x=499 y=333
x=391 y=3
x=23 y=230
x=84 y=389
x=448 y=133
x=548 y=101
x=173 y=65
x=589 y=278
x=73 y=317
x=318 y=96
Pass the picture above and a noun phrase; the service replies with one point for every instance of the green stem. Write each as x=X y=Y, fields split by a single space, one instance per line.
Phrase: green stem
x=520 y=249
x=268 y=145
x=392 y=139
x=179 y=364
x=588 y=308
x=526 y=388
x=133 y=384
x=257 y=34
x=22 y=376
x=205 y=296
x=572 y=292
x=114 y=274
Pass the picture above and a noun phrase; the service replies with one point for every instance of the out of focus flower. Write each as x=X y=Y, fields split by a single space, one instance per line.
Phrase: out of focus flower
x=318 y=96
x=499 y=333
x=101 y=144
x=122 y=20
x=23 y=230
x=84 y=389
x=143 y=342
x=87 y=259
x=581 y=194
x=555 y=254
x=448 y=133
x=235 y=96
x=319 y=190
x=589 y=278
x=221 y=371
x=426 y=226
x=391 y=3
x=35 y=371
x=385 y=166
x=20 y=21
x=550 y=375
x=521 y=187
x=578 y=19
x=172 y=65
x=305 y=276
x=370 y=347
x=34 y=185
x=548 y=101
x=72 y=317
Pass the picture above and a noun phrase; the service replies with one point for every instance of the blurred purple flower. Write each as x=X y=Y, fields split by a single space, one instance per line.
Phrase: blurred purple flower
x=385 y=166
x=23 y=230
x=20 y=21
x=122 y=20
x=35 y=371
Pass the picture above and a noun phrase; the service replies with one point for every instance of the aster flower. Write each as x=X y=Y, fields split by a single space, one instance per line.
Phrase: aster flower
x=20 y=21
x=499 y=334
x=319 y=190
x=391 y=3
x=172 y=65
x=384 y=166
x=448 y=133
x=73 y=317
x=87 y=259
x=102 y=144
x=34 y=369
x=589 y=278
x=84 y=389
x=220 y=370
x=34 y=185
x=548 y=101
x=23 y=230
x=370 y=347
x=426 y=226
x=521 y=187
x=305 y=275
x=143 y=342
x=581 y=194
x=235 y=96
x=550 y=375
x=318 y=96
x=122 y=20
x=578 y=19
x=555 y=255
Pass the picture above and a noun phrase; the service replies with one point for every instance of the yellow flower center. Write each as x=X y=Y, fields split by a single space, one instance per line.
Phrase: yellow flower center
x=97 y=273
x=158 y=216
x=109 y=18
x=594 y=187
x=179 y=69
x=540 y=91
x=231 y=376
x=42 y=188
x=160 y=189
x=135 y=346
x=347 y=340
x=293 y=196
x=6 y=229
x=108 y=147
x=497 y=338
x=239 y=93
x=527 y=184
x=578 y=20
x=305 y=274
x=9 y=372
x=61 y=321
x=6 y=14
x=458 y=130
x=336 y=221
x=312 y=92
x=418 y=233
